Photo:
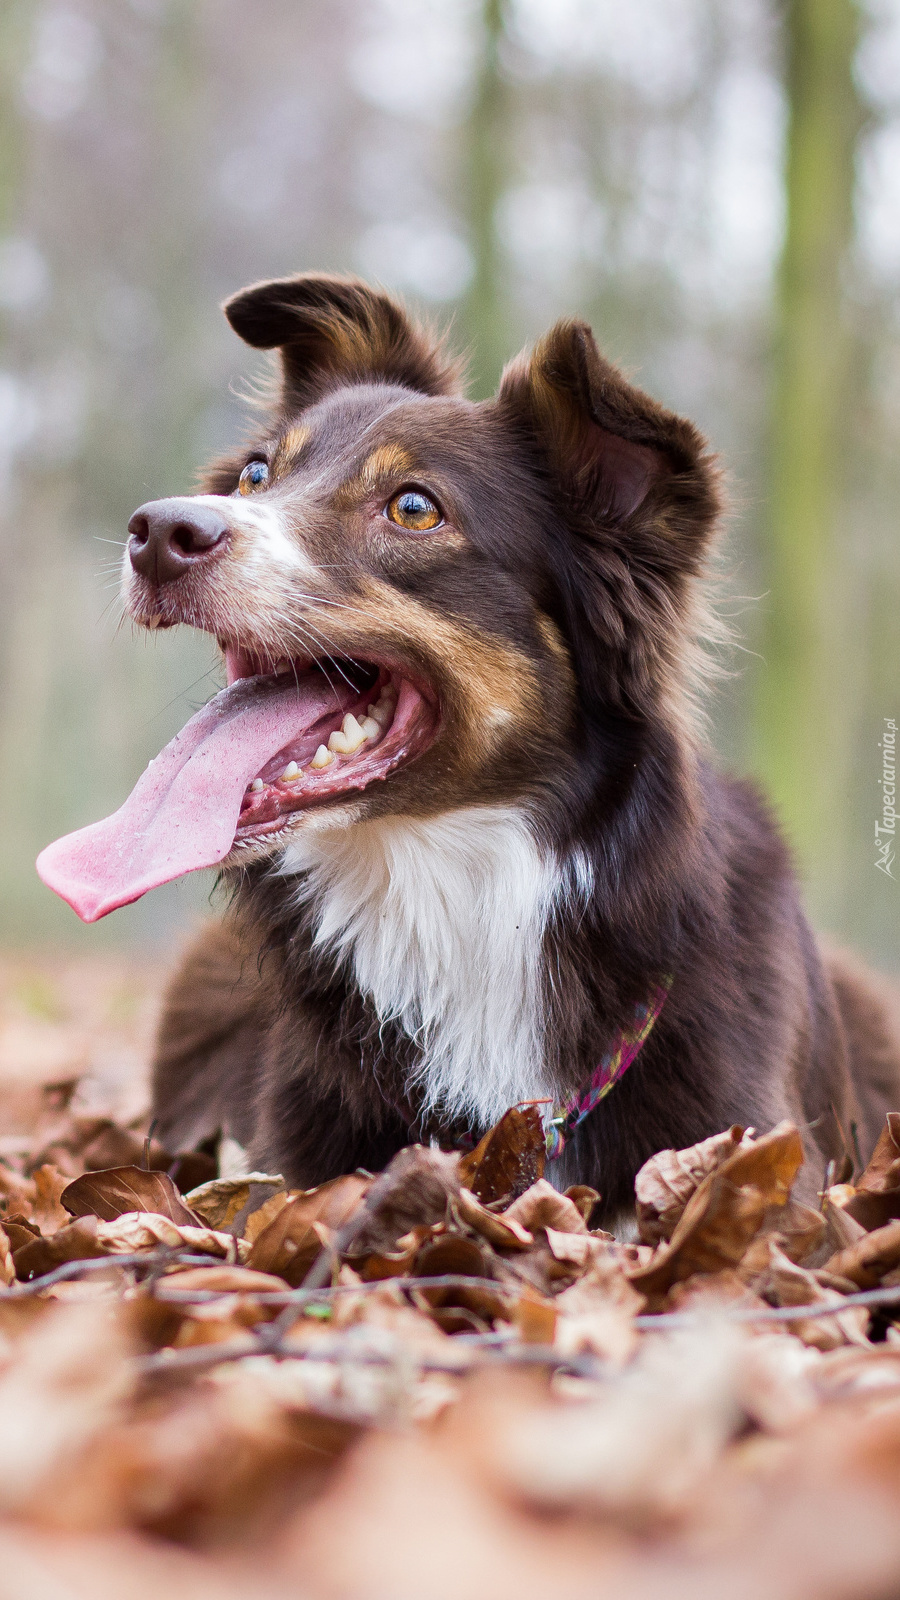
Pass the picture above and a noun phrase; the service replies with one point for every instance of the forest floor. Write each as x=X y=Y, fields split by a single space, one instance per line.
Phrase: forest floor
x=437 y=1382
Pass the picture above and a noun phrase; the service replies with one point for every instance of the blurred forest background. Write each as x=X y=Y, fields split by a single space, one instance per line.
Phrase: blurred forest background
x=715 y=184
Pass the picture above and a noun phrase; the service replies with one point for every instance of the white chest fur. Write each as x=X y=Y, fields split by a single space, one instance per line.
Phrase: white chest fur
x=441 y=923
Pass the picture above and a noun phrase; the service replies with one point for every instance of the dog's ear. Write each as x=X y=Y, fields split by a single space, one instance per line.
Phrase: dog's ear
x=613 y=448
x=335 y=330
x=636 y=493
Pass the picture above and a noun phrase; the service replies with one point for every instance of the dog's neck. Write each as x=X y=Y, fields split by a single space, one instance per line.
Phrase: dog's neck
x=441 y=924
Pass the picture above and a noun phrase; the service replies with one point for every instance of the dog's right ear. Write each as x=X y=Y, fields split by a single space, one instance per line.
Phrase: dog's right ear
x=335 y=330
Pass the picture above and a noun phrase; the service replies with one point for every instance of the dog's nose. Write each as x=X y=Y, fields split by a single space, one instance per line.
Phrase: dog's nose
x=169 y=537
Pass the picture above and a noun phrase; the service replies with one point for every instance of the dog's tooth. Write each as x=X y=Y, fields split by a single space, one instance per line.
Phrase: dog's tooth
x=322 y=758
x=257 y=786
x=348 y=738
x=381 y=714
x=352 y=732
x=371 y=727
x=281 y=666
x=291 y=773
x=155 y=620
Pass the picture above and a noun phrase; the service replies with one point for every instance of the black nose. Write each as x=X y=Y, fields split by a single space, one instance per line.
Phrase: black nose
x=169 y=537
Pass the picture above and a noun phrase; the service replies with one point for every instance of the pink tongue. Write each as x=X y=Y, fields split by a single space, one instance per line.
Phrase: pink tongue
x=183 y=811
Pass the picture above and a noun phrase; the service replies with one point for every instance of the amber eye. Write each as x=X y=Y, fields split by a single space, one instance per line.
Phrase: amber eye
x=254 y=476
x=413 y=509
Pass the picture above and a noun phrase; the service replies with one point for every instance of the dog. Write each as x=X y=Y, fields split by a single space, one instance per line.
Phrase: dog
x=478 y=854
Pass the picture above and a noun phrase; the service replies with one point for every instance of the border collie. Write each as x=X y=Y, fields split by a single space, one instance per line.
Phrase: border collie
x=478 y=855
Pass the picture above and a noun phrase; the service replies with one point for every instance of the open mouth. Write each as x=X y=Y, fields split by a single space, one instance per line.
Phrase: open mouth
x=282 y=737
x=356 y=723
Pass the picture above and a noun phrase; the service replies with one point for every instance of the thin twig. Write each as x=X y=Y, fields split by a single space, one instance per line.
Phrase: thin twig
x=298 y=1300
x=71 y=1270
x=683 y=1319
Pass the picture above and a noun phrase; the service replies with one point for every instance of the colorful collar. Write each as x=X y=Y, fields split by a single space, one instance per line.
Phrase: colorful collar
x=626 y=1046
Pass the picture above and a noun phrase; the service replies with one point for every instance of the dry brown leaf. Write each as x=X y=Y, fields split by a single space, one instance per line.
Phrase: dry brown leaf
x=117 y=1191
x=509 y=1158
x=799 y=1229
x=535 y=1316
x=290 y=1243
x=875 y=1197
x=871 y=1258
x=727 y=1210
x=502 y=1232
x=37 y=1256
x=17 y=1194
x=46 y=1209
x=667 y=1181
x=414 y=1190
x=226 y=1202
x=780 y=1282
x=542 y=1206
x=7 y=1267
x=67 y=1383
x=143 y=1230
x=227 y=1280
x=263 y=1215
x=584 y=1198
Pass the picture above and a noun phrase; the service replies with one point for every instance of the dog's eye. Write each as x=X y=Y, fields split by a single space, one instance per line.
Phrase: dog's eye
x=254 y=476
x=413 y=509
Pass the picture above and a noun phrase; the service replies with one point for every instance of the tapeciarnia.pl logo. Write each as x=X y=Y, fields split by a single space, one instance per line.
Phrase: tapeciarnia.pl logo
x=885 y=830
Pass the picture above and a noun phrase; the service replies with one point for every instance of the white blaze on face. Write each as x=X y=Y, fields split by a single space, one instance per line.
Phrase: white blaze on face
x=269 y=541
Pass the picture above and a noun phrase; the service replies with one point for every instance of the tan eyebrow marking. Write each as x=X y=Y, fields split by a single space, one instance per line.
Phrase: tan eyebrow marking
x=289 y=447
x=387 y=460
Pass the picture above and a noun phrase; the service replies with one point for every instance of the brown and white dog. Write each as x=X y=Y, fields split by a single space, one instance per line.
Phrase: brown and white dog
x=454 y=781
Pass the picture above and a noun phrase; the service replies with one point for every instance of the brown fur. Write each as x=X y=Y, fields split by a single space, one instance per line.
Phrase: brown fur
x=554 y=614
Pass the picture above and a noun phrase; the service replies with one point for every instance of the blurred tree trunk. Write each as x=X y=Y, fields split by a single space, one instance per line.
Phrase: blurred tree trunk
x=484 y=320
x=799 y=701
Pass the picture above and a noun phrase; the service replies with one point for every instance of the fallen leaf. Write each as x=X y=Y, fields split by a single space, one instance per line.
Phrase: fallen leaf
x=509 y=1158
x=46 y=1209
x=871 y=1258
x=799 y=1229
x=502 y=1231
x=781 y=1282
x=77 y=1242
x=542 y=1206
x=575 y=1248
x=263 y=1215
x=875 y=1197
x=223 y=1200
x=584 y=1198
x=117 y=1191
x=667 y=1181
x=7 y=1267
x=17 y=1193
x=228 y=1280
x=453 y=1253
x=535 y=1316
x=290 y=1243
x=727 y=1210
x=143 y=1230
x=414 y=1189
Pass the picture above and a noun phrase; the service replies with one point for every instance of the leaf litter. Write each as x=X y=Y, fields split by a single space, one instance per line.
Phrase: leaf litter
x=443 y=1379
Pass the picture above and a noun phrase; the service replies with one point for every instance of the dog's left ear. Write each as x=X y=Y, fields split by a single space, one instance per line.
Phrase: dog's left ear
x=635 y=493
x=334 y=330
x=621 y=459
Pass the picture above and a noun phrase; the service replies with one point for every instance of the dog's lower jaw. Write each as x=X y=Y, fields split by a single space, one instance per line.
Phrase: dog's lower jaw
x=440 y=922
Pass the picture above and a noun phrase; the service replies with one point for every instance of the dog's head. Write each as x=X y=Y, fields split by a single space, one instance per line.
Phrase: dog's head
x=423 y=602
